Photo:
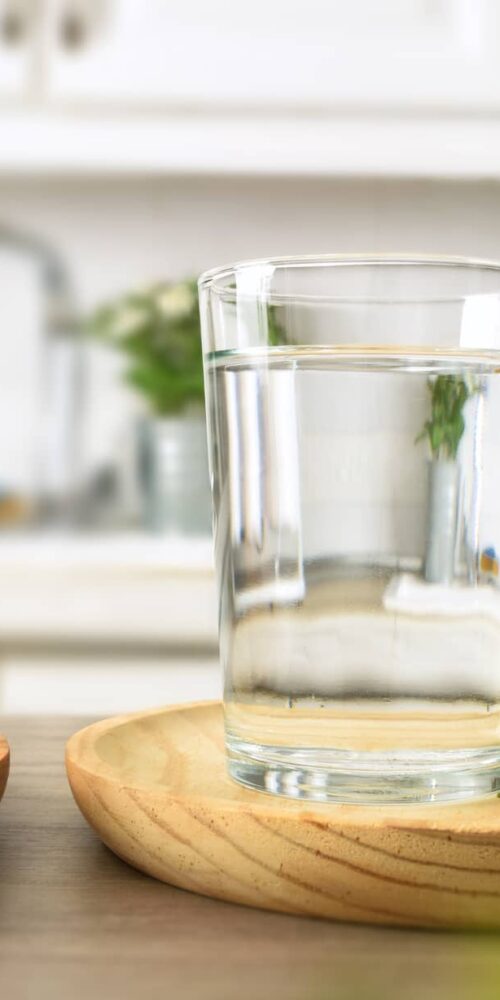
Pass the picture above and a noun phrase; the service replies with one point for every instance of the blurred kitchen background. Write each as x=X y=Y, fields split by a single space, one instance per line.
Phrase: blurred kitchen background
x=140 y=143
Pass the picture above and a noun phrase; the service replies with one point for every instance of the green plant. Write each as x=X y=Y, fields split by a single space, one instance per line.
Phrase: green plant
x=445 y=428
x=276 y=335
x=159 y=332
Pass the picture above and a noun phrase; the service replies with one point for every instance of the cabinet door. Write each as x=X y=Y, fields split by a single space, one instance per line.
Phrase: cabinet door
x=278 y=54
x=18 y=37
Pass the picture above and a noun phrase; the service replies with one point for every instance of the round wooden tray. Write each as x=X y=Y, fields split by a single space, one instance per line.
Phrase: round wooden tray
x=154 y=787
x=4 y=764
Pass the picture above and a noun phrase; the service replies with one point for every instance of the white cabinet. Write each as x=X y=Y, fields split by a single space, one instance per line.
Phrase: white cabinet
x=122 y=53
x=287 y=54
x=392 y=88
x=18 y=48
x=322 y=54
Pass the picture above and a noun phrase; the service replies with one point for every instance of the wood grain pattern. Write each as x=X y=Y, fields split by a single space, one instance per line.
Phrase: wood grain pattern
x=4 y=764
x=76 y=923
x=154 y=787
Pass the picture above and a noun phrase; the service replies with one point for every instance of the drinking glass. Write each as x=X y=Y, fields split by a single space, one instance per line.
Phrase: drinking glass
x=354 y=429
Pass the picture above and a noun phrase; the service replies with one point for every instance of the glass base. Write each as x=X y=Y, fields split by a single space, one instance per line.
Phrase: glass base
x=365 y=778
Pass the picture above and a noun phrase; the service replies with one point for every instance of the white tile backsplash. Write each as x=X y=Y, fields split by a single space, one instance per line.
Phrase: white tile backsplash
x=117 y=234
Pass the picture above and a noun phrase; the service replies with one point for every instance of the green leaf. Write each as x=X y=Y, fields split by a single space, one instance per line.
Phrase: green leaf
x=158 y=330
x=446 y=426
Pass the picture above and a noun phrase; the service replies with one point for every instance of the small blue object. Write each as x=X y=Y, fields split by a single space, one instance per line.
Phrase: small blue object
x=490 y=552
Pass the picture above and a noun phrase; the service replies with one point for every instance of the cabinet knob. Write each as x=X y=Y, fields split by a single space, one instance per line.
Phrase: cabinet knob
x=73 y=28
x=13 y=24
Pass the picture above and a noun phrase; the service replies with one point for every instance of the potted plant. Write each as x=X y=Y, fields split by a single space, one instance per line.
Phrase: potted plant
x=444 y=431
x=158 y=331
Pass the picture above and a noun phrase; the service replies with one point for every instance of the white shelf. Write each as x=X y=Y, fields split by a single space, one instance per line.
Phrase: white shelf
x=134 y=553
x=57 y=143
x=124 y=592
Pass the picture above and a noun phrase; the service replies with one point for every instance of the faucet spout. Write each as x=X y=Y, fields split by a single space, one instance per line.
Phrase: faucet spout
x=57 y=470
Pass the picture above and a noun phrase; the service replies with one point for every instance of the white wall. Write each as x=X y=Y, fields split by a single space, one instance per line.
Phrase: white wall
x=116 y=234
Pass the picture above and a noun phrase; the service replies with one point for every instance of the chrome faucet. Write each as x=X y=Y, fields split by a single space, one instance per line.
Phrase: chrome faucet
x=57 y=471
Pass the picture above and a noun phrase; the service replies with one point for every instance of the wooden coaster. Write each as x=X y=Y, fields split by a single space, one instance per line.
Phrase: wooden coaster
x=4 y=764
x=154 y=787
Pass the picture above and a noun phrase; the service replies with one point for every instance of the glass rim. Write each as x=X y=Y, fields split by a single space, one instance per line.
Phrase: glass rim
x=214 y=279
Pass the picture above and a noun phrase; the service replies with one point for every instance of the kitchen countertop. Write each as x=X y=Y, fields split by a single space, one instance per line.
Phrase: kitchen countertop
x=77 y=922
x=107 y=592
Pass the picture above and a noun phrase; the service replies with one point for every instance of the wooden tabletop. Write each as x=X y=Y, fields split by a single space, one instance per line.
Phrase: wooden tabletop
x=75 y=922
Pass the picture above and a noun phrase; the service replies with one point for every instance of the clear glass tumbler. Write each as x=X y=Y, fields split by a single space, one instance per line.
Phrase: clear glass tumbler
x=354 y=429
